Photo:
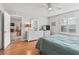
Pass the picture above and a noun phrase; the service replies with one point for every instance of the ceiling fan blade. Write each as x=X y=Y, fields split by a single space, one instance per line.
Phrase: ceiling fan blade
x=58 y=8
x=50 y=7
x=55 y=7
x=44 y=5
x=47 y=5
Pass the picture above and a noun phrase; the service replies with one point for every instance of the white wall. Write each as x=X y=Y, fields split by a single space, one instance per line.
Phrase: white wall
x=1 y=7
x=59 y=17
x=41 y=21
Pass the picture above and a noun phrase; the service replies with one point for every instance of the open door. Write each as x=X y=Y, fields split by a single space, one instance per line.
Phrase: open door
x=6 y=29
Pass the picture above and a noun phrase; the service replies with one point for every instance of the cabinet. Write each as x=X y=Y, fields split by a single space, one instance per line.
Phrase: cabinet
x=33 y=35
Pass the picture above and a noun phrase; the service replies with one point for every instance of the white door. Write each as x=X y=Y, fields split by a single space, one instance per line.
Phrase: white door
x=6 y=29
x=0 y=30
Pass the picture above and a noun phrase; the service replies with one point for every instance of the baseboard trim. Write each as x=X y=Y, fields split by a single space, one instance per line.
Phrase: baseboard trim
x=32 y=40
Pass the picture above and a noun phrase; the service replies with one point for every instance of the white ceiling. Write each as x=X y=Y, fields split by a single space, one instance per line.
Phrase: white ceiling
x=36 y=9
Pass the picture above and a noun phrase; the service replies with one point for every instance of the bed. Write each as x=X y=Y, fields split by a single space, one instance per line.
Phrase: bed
x=59 y=44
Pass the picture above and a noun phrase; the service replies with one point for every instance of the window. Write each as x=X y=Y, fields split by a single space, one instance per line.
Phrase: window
x=72 y=28
x=68 y=25
x=63 y=29
x=64 y=25
x=71 y=21
x=64 y=21
x=72 y=25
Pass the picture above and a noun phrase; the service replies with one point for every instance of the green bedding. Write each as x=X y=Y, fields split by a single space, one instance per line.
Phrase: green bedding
x=59 y=45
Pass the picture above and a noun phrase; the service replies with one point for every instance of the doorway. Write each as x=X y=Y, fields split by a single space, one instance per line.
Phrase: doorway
x=15 y=28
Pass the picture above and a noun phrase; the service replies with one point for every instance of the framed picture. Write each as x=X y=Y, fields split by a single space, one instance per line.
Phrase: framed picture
x=53 y=23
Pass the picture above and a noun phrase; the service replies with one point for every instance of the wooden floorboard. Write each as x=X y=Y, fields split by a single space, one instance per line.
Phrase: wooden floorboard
x=21 y=48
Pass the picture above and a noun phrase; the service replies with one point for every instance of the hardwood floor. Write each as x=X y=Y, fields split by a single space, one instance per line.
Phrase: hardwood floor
x=21 y=48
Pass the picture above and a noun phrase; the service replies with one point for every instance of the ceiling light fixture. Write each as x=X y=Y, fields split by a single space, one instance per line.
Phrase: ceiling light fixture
x=50 y=8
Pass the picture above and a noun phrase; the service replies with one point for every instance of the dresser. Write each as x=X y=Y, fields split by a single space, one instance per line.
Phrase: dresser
x=33 y=35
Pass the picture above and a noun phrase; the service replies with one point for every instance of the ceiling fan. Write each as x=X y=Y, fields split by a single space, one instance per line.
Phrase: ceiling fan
x=50 y=6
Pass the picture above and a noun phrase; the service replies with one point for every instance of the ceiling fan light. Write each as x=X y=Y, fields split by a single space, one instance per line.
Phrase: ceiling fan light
x=50 y=8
